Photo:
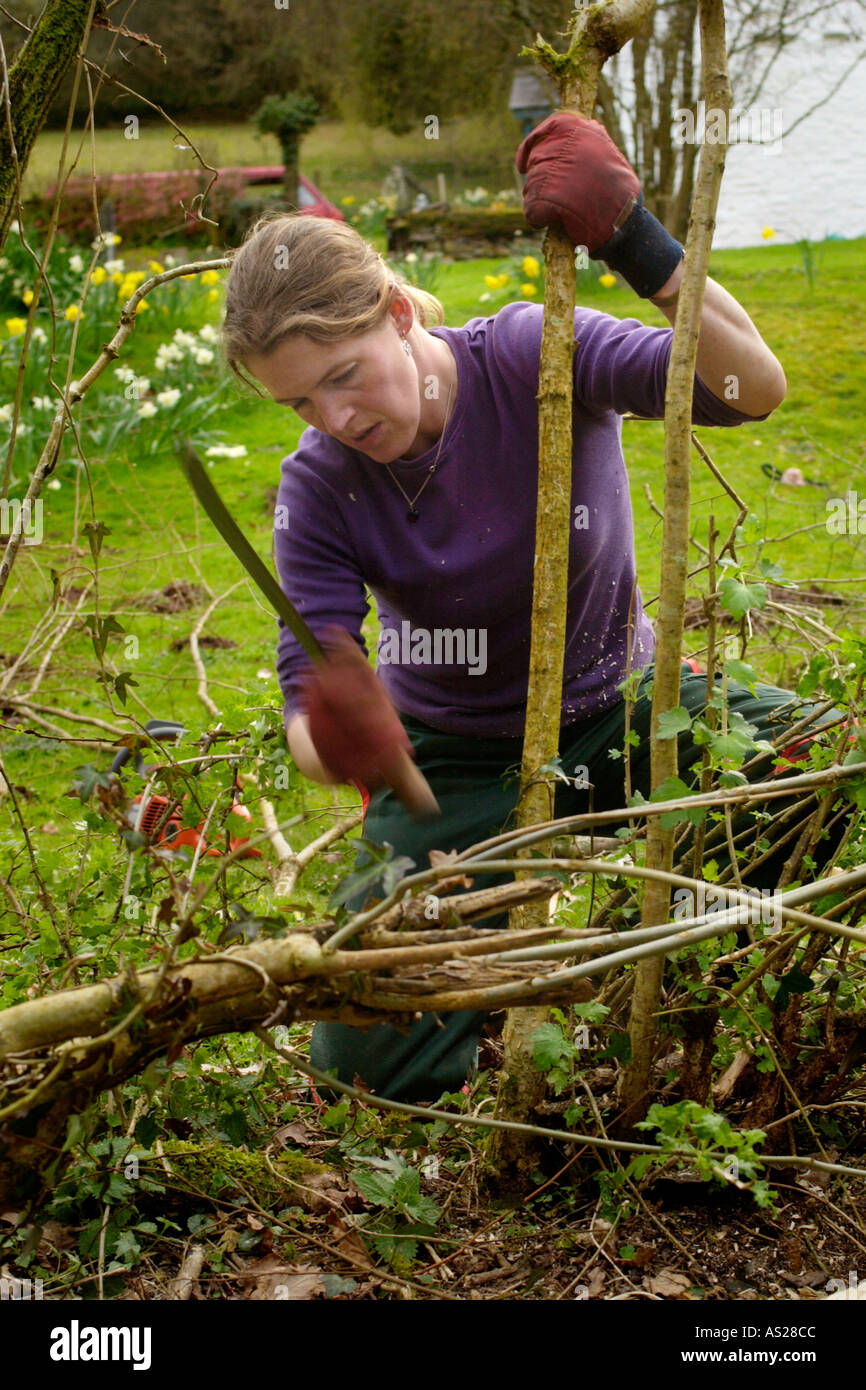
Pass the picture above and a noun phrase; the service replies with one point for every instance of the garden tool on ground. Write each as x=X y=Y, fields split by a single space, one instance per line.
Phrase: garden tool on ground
x=146 y=813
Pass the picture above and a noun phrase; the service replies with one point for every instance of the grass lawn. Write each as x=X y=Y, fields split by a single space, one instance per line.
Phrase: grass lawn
x=342 y=158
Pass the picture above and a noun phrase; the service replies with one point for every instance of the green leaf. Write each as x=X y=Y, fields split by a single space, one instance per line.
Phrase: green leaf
x=383 y=866
x=744 y=673
x=738 y=598
x=549 y=1046
x=673 y=722
x=122 y=682
x=377 y=1188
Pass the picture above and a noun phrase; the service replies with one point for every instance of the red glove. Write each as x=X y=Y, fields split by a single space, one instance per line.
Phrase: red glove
x=356 y=730
x=577 y=178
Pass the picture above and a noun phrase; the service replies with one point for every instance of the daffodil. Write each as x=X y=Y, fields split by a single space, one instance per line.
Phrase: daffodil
x=72 y=313
x=27 y=296
x=768 y=233
x=141 y=306
x=15 y=326
x=530 y=267
x=99 y=276
x=116 y=278
x=348 y=200
x=210 y=277
x=213 y=296
x=155 y=268
x=76 y=264
x=607 y=280
x=528 y=290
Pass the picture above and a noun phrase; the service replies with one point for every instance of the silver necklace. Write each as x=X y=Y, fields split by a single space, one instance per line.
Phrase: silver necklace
x=413 y=513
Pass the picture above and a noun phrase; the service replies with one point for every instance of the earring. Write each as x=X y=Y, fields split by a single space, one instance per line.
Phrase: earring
x=407 y=348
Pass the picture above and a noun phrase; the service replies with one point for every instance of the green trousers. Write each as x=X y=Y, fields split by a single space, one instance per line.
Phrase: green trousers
x=475 y=782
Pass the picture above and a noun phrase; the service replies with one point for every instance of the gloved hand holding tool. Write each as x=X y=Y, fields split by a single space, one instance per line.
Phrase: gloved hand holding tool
x=355 y=728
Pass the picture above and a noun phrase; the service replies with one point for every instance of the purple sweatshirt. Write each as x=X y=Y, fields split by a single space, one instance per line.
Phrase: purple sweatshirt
x=454 y=588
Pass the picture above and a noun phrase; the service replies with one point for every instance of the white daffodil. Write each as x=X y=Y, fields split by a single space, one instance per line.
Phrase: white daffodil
x=142 y=386
x=38 y=335
x=146 y=410
x=208 y=333
x=115 y=267
x=54 y=484
x=124 y=373
x=169 y=397
x=183 y=339
x=166 y=354
x=203 y=356
x=226 y=451
x=76 y=264
x=6 y=413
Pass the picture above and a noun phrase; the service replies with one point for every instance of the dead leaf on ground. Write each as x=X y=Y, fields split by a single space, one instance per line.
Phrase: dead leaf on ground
x=667 y=1284
x=350 y=1245
x=273 y=1278
x=295 y=1133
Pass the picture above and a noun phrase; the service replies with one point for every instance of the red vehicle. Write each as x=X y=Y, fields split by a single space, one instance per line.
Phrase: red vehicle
x=310 y=200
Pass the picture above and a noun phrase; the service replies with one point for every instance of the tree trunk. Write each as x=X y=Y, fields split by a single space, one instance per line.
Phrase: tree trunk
x=34 y=79
x=594 y=34
x=643 y=1023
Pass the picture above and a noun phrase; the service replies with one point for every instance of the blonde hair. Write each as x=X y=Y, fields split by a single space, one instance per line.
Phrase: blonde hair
x=301 y=274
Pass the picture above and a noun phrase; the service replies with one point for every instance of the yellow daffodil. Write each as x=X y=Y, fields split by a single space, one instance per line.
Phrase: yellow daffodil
x=607 y=280
x=210 y=277
x=496 y=282
x=134 y=277
x=73 y=313
x=27 y=296
x=348 y=200
x=142 y=304
x=99 y=276
x=155 y=268
x=528 y=290
x=213 y=295
x=15 y=326
x=767 y=233
x=117 y=277
x=530 y=267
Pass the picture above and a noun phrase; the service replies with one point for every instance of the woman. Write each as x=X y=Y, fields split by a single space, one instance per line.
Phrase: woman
x=417 y=477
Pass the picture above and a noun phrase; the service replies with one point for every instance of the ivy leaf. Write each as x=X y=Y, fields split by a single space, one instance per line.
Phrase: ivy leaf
x=795 y=982
x=738 y=597
x=673 y=722
x=96 y=531
x=86 y=779
x=122 y=682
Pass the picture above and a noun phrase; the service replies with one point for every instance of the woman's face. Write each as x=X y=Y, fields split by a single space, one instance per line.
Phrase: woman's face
x=363 y=391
